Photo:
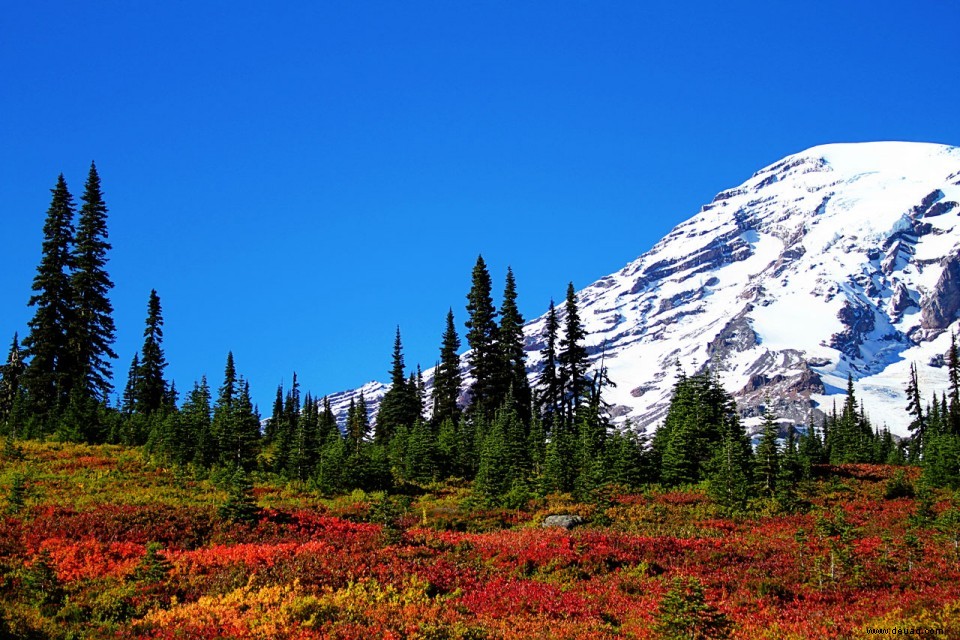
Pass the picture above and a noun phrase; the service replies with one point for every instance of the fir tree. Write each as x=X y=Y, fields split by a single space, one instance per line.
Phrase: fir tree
x=729 y=482
x=421 y=454
x=235 y=425
x=768 y=455
x=953 y=366
x=502 y=455
x=358 y=424
x=128 y=402
x=151 y=387
x=685 y=614
x=484 y=357
x=195 y=440
x=240 y=506
x=50 y=369
x=306 y=441
x=94 y=330
x=399 y=404
x=10 y=375
x=549 y=385
x=918 y=425
x=447 y=379
x=513 y=367
x=327 y=424
x=572 y=358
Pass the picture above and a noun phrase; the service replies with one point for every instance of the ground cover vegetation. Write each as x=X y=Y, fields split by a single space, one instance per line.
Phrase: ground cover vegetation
x=162 y=518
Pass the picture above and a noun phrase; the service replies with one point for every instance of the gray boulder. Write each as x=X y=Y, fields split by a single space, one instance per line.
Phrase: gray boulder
x=563 y=521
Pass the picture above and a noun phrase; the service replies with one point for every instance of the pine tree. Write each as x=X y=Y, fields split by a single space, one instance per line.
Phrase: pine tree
x=128 y=402
x=358 y=425
x=918 y=425
x=151 y=387
x=513 y=367
x=484 y=357
x=195 y=441
x=421 y=453
x=10 y=375
x=502 y=455
x=94 y=330
x=685 y=614
x=572 y=358
x=305 y=448
x=50 y=368
x=240 y=506
x=549 y=384
x=399 y=404
x=810 y=449
x=447 y=379
x=729 y=482
x=327 y=424
x=235 y=426
x=953 y=364
x=768 y=455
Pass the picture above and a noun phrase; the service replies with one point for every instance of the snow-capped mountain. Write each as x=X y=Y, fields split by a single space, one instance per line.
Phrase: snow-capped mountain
x=842 y=259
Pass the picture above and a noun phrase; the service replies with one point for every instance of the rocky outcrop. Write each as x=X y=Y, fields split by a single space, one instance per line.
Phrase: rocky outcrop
x=943 y=304
x=859 y=321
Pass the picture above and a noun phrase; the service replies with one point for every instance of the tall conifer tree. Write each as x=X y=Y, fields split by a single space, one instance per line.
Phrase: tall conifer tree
x=572 y=357
x=151 y=387
x=50 y=368
x=94 y=330
x=482 y=337
x=550 y=389
x=10 y=375
x=447 y=379
x=514 y=358
x=399 y=405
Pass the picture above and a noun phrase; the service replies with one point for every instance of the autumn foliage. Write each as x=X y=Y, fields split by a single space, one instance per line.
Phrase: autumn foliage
x=151 y=558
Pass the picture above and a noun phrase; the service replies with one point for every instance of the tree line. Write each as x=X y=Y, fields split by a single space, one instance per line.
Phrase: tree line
x=511 y=439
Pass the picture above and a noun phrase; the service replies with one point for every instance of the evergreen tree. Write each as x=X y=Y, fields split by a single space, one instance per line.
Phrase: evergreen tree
x=549 y=386
x=240 y=505
x=421 y=453
x=513 y=367
x=10 y=375
x=685 y=614
x=358 y=424
x=502 y=455
x=399 y=404
x=447 y=449
x=128 y=402
x=195 y=441
x=572 y=358
x=151 y=387
x=918 y=426
x=327 y=424
x=810 y=449
x=559 y=465
x=484 y=355
x=50 y=369
x=729 y=482
x=306 y=441
x=953 y=365
x=94 y=330
x=447 y=379
x=700 y=416
x=768 y=455
x=235 y=426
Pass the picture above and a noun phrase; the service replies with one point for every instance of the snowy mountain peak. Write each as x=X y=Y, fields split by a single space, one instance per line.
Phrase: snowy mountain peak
x=842 y=259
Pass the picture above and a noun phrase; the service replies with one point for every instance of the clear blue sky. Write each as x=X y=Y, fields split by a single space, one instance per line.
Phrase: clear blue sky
x=297 y=178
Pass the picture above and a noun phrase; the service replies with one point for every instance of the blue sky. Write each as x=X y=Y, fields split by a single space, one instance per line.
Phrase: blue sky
x=295 y=179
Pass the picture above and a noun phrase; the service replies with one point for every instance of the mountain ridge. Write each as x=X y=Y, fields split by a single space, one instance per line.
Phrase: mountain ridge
x=843 y=259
